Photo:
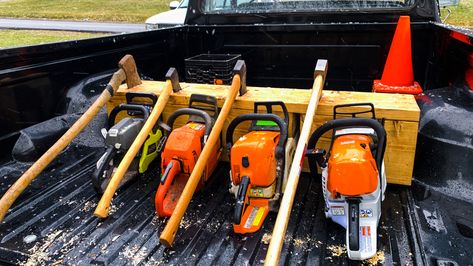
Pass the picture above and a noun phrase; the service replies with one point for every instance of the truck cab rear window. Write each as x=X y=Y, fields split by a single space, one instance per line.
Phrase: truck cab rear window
x=236 y=6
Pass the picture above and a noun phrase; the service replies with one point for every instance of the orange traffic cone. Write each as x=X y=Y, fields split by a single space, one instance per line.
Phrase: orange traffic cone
x=398 y=75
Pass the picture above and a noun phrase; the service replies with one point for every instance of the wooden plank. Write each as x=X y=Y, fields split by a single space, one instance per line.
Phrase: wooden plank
x=400 y=107
x=400 y=112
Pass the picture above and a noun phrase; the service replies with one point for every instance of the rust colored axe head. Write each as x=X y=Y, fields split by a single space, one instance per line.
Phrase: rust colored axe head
x=127 y=64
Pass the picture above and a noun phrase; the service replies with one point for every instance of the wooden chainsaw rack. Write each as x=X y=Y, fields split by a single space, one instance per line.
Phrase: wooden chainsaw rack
x=400 y=113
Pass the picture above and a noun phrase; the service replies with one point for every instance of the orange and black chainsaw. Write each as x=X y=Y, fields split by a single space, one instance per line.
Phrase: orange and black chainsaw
x=182 y=149
x=258 y=165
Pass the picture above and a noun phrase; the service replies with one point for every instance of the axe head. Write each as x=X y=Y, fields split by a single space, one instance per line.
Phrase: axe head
x=240 y=69
x=127 y=64
x=321 y=68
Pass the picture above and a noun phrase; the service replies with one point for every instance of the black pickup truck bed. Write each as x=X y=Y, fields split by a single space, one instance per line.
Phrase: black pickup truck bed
x=52 y=223
x=429 y=223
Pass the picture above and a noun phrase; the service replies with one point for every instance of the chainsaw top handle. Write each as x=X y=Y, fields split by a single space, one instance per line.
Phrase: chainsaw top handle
x=369 y=108
x=206 y=103
x=130 y=96
x=269 y=108
x=127 y=107
x=280 y=148
x=350 y=123
x=195 y=112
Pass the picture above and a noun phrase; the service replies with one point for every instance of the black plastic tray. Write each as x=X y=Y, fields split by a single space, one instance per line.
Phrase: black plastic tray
x=211 y=68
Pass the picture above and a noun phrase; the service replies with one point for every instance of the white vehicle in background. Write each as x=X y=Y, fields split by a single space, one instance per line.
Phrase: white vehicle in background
x=171 y=18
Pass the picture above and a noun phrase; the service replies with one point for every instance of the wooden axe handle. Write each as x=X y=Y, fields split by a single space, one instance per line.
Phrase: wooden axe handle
x=126 y=66
x=169 y=232
x=280 y=227
x=103 y=206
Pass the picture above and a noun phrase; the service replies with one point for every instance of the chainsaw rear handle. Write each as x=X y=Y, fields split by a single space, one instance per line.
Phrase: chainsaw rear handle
x=191 y=111
x=127 y=107
x=252 y=117
x=354 y=224
x=172 y=169
x=350 y=122
x=241 y=199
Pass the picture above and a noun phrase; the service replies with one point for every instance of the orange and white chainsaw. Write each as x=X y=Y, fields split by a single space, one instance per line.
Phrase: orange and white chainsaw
x=353 y=176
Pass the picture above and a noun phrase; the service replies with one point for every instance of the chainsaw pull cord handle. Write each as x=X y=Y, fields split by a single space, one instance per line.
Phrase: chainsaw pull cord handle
x=127 y=107
x=350 y=122
x=252 y=117
x=191 y=111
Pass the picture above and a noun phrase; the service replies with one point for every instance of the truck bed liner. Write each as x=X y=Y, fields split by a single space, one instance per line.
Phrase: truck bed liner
x=56 y=213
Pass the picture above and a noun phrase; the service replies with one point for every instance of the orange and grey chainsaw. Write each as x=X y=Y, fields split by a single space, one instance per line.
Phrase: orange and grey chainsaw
x=353 y=176
x=182 y=149
x=258 y=165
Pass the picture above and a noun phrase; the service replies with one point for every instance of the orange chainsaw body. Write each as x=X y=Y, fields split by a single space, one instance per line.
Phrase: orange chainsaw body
x=352 y=169
x=253 y=155
x=182 y=149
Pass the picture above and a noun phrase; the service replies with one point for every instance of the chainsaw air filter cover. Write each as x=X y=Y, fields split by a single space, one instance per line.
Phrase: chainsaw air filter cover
x=124 y=133
x=253 y=155
x=184 y=144
x=351 y=168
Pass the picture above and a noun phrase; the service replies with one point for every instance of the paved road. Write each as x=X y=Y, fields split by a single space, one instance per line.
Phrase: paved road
x=86 y=26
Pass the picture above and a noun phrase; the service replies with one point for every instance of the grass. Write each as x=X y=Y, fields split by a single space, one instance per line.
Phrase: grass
x=139 y=11
x=98 y=10
x=12 y=38
x=461 y=15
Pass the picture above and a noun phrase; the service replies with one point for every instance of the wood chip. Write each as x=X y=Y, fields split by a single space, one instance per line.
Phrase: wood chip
x=337 y=251
x=266 y=238
x=377 y=258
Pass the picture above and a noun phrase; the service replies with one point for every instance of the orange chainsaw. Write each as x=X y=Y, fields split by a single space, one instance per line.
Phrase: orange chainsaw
x=182 y=149
x=258 y=165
